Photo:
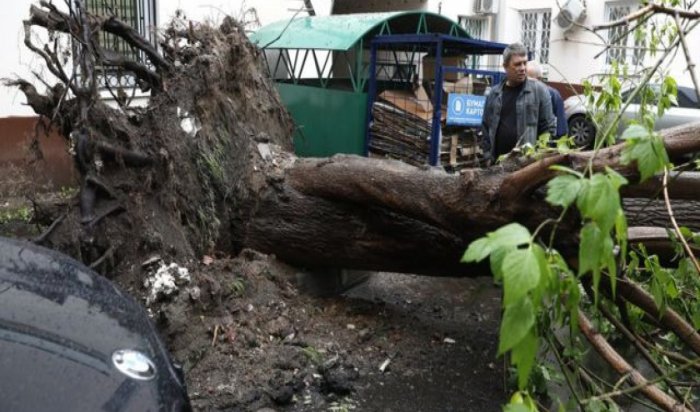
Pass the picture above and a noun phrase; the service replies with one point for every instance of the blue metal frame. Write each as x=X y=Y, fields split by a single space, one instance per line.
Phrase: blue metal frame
x=470 y=46
x=435 y=130
x=371 y=93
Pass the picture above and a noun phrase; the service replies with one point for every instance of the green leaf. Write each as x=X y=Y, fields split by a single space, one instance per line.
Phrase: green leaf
x=646 y=149
x=562 y=190
x=621 y=234
x=599 y=201
x=595 y=251
x=521 y=274
x=673 y=99
x=567 y=170
x=516 y=407
x=496 y=262
x=695 y=315
x=477 y=250
x=635 y=131
x=513 y=234
x=546 y=275
x=657 y=292
x=523 y=356
x=672 y=289
x=616 y=179
x=610 y=264
x=517 y=321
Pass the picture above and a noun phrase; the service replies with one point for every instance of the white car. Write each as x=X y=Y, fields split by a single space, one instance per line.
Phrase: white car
x=583 y=130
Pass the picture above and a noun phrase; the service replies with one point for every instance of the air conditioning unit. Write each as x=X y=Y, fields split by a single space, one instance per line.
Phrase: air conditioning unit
x=572 y=12
x=485 y=6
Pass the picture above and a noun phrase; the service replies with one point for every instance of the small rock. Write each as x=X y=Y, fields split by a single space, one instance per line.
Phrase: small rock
x=450 y=341
x=282 y=395
x=195 y=293
x=279 y=327
x=339 y=379
x=350 y=326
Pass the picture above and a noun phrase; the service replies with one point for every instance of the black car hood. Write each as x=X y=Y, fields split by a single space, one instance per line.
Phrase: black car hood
x=60 y=325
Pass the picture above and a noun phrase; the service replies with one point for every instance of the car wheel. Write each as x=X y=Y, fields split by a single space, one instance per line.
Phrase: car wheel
x=582 y=130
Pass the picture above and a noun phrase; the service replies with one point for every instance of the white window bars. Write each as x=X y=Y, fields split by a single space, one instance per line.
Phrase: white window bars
x=535 y=29
x=139 y=14
x=623 y=48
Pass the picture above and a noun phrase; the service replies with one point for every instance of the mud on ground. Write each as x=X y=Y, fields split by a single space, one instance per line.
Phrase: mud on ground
x=250 y=339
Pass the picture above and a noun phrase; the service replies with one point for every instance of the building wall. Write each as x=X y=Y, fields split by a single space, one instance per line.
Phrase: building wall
x=18 y=61
x=572 y=54
x=18 y=122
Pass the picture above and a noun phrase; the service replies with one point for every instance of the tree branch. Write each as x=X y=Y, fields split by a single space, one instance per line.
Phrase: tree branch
x=56 y=20
x=670 y=319
x=688 y=57
x=678 y=141
x=612 y=357
x=677 y=229
x=681 y=186
x=649 y=9
x=114 y=59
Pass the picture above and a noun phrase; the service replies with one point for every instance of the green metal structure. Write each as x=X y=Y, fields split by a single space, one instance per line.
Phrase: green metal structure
x=321 y=65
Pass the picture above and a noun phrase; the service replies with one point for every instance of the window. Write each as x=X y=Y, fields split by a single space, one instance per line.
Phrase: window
x=476 y=27
x=535 y=27
x=139 y=14
x=623 y=47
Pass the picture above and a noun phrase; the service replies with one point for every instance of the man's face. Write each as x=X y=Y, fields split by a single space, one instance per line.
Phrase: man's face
x=516 y=69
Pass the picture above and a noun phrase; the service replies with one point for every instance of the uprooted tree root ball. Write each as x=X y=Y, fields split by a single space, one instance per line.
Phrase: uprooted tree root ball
x=176 y=177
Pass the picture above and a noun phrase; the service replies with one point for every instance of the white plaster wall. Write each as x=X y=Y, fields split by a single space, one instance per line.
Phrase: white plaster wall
x=15 y=59
x=268 y=11
x=571 y=54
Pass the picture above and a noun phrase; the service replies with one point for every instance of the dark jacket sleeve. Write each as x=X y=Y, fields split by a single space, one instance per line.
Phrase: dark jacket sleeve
x=486 y=126
x=558 y=106
x=546 y=122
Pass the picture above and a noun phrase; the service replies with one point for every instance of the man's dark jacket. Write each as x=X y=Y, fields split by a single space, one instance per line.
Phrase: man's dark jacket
x=558 y=108
x=534 y=115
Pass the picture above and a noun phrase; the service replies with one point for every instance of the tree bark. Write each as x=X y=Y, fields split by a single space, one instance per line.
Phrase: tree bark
x=213 y=186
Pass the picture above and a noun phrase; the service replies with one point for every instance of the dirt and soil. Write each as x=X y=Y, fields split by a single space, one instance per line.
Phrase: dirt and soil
x=255 y=334
x=252 y=333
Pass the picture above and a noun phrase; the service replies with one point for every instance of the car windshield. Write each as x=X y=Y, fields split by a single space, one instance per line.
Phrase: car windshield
x=686 y=96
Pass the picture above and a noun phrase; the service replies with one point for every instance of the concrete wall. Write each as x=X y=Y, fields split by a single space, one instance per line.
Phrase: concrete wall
x=371 y=6
x=18 y=122
x=18 y=61
x=573 y=53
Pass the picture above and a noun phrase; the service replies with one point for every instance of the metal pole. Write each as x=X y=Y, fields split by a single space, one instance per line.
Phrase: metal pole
x=437 y=108
x=371 y=93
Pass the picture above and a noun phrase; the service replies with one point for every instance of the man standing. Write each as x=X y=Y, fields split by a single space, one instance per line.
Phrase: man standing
x=517 y=111
x=534 y=71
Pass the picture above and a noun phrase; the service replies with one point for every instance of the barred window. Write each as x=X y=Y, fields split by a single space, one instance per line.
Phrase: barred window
x=476 y=27
x=139 y=14
x=535 y=29
x=623 y=46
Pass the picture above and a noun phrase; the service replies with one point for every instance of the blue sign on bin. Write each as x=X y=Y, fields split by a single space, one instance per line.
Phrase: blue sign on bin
x=465 y=109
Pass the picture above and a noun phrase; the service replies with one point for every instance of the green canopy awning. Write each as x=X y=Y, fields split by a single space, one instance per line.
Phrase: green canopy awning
x=342 y=32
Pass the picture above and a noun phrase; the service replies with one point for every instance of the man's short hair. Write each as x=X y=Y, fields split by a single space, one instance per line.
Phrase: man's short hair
x=513 y=49
x=534 y=69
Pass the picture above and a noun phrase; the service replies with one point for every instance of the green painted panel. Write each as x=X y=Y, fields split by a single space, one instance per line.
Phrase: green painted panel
x=341 y=32
x=330 y=121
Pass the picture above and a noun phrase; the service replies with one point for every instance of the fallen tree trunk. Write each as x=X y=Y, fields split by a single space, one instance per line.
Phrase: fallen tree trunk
x=189 y=190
